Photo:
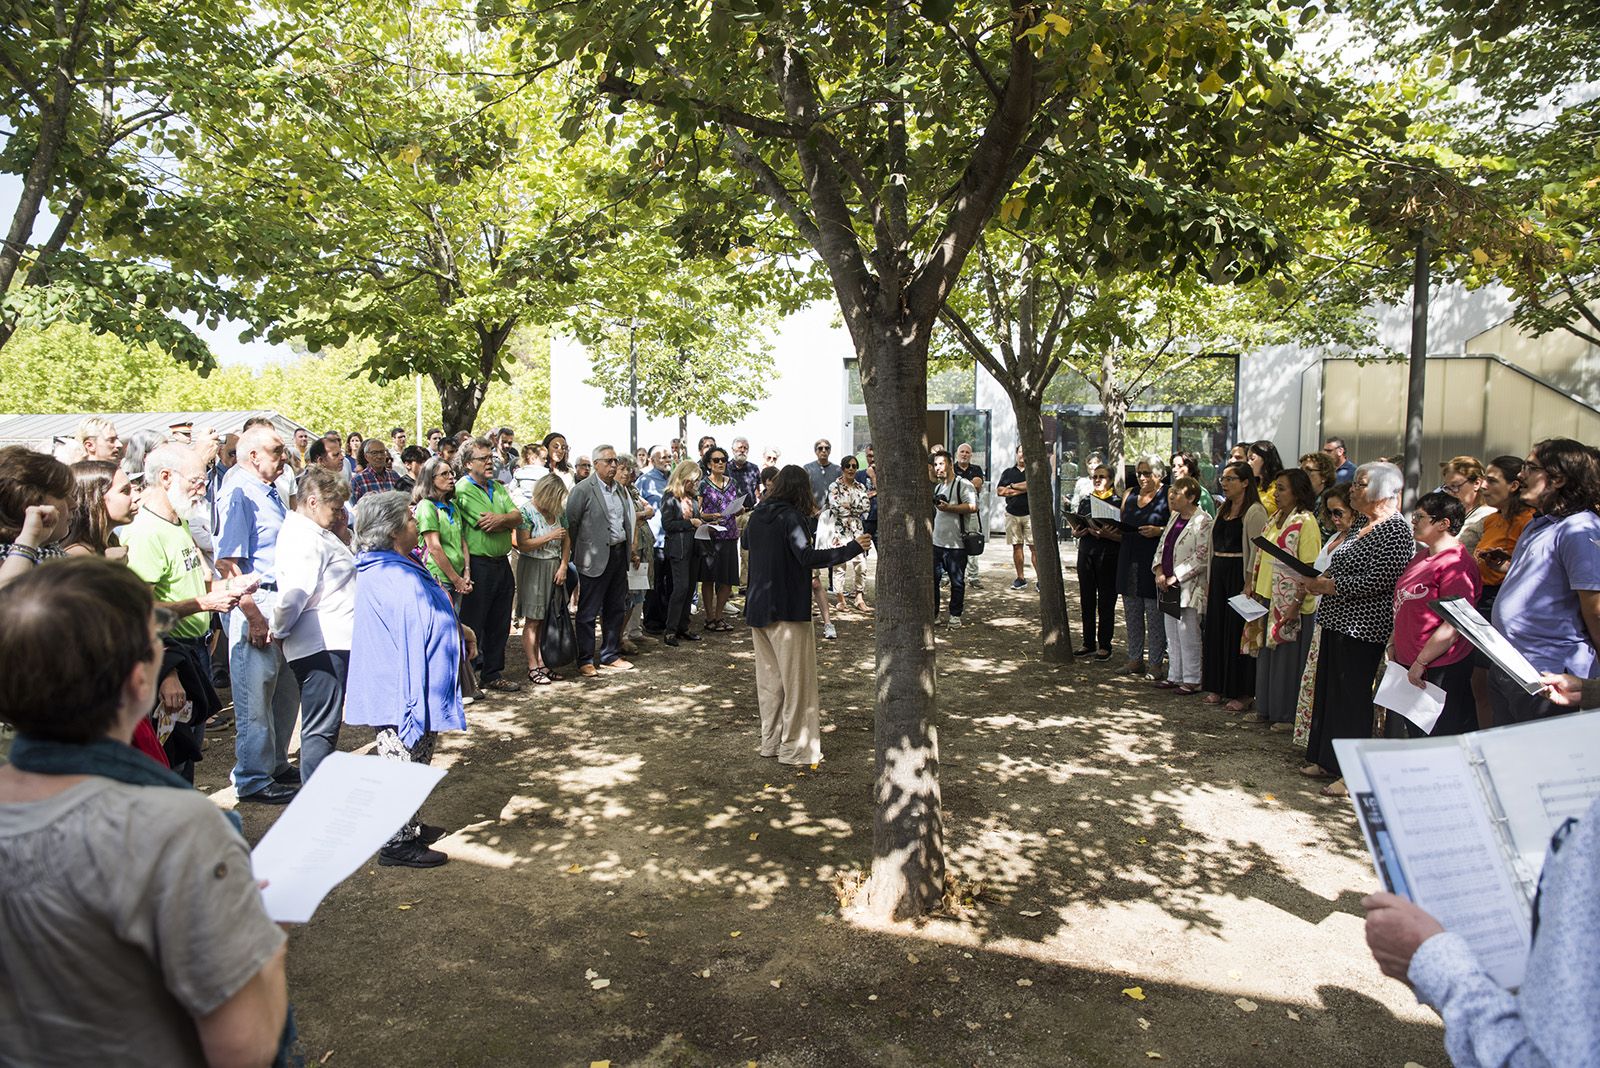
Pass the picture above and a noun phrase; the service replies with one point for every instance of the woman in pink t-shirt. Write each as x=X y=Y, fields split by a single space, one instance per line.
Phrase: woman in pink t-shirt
x=1424 y=643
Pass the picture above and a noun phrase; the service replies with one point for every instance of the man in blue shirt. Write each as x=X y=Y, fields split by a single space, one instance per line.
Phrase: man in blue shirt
x=1549 y=602
x=652 y=484
x=266 y=699
x=1345 y=471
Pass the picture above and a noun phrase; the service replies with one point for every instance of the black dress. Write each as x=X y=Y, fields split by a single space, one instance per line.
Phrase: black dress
x=1223 y=668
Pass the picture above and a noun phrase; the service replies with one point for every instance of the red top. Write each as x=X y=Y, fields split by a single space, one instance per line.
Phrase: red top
x=1448 y=573
x=148 y=742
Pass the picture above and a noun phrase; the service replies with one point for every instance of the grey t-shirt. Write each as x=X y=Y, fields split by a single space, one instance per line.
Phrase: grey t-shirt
x=947 y=525
x=126 y=912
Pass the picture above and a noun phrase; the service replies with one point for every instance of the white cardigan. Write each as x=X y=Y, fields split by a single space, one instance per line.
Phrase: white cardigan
x=316 y=606
x=1191 y=558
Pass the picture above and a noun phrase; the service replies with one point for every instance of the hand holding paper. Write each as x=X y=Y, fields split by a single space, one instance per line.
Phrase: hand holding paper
x=1398 y=694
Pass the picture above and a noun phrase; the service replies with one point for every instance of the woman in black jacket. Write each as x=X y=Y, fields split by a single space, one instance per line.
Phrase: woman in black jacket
x=680 y=518
x=778 y=610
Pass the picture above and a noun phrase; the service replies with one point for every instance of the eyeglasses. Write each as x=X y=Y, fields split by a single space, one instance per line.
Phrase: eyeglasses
x=1454 y=488
x=1229 y=478
x=719 y=459
x=1145 y=474
x=1532 y=465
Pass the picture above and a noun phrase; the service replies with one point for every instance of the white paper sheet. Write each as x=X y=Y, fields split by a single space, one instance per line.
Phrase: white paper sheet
x=638 y=577
x=1099 y=509
x=1454 y=865
x=349 y=808
x=703 y=532
x=1247 y=606
x=1422 y=707
x=1542 y=773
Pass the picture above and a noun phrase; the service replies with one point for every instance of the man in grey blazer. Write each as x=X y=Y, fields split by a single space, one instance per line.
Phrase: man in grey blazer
x=600 y=522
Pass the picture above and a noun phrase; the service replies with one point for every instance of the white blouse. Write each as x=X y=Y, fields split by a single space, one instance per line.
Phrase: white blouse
x=316 y=604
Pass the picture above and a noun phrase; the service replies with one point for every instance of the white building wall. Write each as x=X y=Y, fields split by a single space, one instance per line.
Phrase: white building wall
x=1272 y=405
x=805 y=399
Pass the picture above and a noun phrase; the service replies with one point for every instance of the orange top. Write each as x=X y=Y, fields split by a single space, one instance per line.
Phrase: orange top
x=1498 y=533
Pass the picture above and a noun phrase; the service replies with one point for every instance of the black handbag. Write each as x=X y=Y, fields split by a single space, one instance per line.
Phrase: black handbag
x=559 y=643
x=1170 y=600
x=972 y=541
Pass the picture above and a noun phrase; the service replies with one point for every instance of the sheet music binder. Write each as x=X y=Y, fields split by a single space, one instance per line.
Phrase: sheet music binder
x=1525 y=780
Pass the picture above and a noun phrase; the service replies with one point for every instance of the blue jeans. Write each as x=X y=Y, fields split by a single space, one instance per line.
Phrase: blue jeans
x=266 y=701
x=952 y=562
x=322 y=678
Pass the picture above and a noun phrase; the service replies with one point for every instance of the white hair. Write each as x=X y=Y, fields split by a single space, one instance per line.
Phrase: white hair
x=380 y=517
x=1384 y=481
x=1157 y=464
x=168 y=457
x=598 y=449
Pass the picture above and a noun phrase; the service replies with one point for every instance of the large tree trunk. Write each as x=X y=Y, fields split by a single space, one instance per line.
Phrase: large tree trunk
x=459 y=402
x=1055 y=630
x=907 y=828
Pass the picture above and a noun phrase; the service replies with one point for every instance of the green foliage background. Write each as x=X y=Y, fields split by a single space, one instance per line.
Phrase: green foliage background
x=67 y=368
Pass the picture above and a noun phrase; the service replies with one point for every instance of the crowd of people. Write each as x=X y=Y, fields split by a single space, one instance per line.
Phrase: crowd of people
x=1516 y=537
x=350 y=581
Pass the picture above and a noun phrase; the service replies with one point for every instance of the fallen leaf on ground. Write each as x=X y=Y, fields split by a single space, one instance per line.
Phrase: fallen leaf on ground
x=590 y=973
x=735 y=934
x=403 y=908
x=1152 y=1054
x=1246 y=1004
x=754 y=835
x=1144 y=1025
x=638 y=934
x=776 y=984
x=706 y=974
x=872 y=997
x=973 y=1025
x=913 y=958
x=1030 y=913
x=599 y=984
x=1134 y=992
x=1291 y=1014
x=599 y=1064
x=573 y=869
x=937 y=1014
x=1024 y=982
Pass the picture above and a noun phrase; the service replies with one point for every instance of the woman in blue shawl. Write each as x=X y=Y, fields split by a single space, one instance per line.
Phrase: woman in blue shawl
x=404 y=657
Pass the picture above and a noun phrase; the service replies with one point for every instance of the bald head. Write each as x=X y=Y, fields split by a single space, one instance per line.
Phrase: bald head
x=261 y=450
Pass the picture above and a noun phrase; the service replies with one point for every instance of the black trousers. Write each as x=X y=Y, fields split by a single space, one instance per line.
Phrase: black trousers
x=1460 y=714
x=322 y=679
x=1097 y=597
x=1513 y=704
x=1347 y=669
x=658 y=597
x=603 y=596
x=685 y=573
x=487 y=610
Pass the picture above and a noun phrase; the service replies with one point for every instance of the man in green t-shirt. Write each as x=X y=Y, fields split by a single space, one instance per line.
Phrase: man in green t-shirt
x=163 y=553
x=488 y=516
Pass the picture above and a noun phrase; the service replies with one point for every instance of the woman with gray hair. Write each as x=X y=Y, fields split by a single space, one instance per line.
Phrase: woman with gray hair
x=315 y=611
x=1356 y=614
x=404 y=657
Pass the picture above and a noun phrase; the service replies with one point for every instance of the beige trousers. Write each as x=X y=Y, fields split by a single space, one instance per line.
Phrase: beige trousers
x=786 y=686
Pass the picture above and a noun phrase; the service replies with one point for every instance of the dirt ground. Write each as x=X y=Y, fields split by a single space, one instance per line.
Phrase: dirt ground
x=1151 y=882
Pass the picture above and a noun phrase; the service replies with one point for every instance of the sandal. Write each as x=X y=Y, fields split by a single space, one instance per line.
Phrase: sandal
x=539 y=676
x=1236 y=705
x=1314 y=771
x=1336 y=788
x=1213 y=698
x=1186 y=690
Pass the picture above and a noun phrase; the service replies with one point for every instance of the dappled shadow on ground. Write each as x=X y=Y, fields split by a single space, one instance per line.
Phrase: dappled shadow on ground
x=1104 y=837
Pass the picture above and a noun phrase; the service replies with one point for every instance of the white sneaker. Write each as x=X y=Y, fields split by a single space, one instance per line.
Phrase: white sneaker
x=466 y=702
x=955 y=621
x=829 y=632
